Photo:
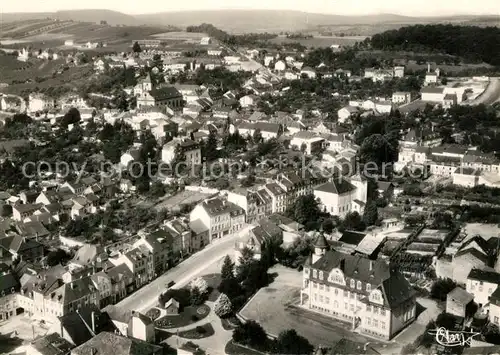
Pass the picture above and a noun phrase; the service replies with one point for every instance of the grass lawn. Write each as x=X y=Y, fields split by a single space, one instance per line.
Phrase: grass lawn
x=200 y=332
x=235 y=349
x=213 y=282
x=153 y=313
x=189 y=315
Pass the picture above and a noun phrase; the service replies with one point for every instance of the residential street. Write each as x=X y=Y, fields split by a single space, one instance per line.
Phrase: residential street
x=196 y=265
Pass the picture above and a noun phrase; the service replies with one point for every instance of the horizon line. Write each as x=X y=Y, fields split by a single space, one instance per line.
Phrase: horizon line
x=240 y=9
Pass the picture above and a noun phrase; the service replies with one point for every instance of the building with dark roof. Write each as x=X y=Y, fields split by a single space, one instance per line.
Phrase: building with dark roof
x=109 y=343
x=131 y=323
x=257 y=203
x=9 y=286
x=15 y=246
x=340 y=196
x=80 y=326
x=51 y=344
x=481 y=283
x=375 y=298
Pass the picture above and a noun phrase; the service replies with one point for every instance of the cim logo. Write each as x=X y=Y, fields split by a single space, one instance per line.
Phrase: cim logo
x=450 y=338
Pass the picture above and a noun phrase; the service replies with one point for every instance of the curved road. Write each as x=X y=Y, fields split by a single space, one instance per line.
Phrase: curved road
x=489 y=96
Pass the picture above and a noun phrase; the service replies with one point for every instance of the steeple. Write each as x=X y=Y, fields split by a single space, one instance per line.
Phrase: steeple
x=320 y=247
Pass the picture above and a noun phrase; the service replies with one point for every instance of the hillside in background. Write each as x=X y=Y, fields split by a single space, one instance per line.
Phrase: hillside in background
x=96 y=16
x=111 y=17
x=243 y=20
x=263 y=20
x=477 y=44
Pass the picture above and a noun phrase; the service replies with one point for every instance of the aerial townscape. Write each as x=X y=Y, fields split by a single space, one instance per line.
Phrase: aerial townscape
x=249 y=182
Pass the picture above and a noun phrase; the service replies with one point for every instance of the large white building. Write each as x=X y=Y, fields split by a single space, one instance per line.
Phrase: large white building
x=340 y=196
x=190 y=149
x=219 y=216
x=374 y=297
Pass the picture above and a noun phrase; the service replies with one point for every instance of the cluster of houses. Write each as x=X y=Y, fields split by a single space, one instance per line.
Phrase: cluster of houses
x=472 y=262
x=467 y=166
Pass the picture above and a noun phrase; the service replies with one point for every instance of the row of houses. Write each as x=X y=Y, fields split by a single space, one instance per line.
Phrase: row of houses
x=96 y=275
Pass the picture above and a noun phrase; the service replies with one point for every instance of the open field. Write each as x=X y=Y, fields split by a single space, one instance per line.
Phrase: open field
x=186 y=197
x=320 y=41
x=50 y=30
x=180 y=35
x=43 y=78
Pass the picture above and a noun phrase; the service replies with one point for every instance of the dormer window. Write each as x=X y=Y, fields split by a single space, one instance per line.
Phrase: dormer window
x=315 y=273
x=352 y=283
x=321 y=275
x=358 y=285
x=368 y=287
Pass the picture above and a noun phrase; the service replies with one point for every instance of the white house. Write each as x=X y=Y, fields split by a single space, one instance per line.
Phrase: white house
x=220 y=217
x=432 y=94
x=205 y=41
x=280 y=65
x=494 y=311
x=401 y=97
x=189 y=148
x=482 y=284
x=383 y=107
x=346 y=112
x=308 y=141
x=130 y=156
x=38 y=102
x=247 y=100
x=431 y=78
x=341 y=196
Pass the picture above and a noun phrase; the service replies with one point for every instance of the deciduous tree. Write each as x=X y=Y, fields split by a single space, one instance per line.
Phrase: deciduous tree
x=223 y=306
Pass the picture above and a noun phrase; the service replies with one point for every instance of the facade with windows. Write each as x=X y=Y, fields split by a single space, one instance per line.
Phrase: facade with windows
x=377 y=300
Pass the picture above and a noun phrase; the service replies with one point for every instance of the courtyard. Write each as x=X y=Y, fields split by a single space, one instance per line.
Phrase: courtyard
x=19 y=330
x=276 y=308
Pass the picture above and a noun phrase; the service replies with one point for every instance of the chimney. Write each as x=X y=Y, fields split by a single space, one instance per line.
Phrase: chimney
x=371 y=265
x=342 y=265
x=93 y=321
x=428 y=67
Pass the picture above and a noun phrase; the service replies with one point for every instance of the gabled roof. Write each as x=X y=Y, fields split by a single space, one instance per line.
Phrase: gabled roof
x=18 y=243
x=460 y=295
x=110 y=343
x=484 y=275
x=166 y=93
x=78 y=325
x=52 y=344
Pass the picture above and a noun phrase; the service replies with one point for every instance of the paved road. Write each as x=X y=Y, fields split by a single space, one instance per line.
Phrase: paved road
x=489 y=96
x=194 y=266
